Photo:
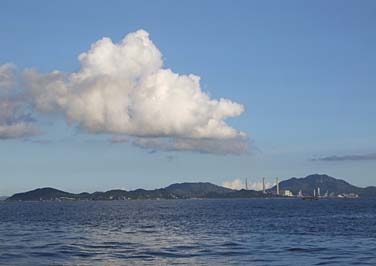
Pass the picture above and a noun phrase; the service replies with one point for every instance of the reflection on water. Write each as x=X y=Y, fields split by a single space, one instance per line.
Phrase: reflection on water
x=196 y=232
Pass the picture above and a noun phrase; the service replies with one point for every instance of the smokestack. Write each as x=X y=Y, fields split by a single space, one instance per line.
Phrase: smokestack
x=263 y=185
x=246 y=184
x=318 y=191
x=277 y=184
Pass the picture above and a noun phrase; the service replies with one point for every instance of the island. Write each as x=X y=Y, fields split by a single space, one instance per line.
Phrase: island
x=309 y=186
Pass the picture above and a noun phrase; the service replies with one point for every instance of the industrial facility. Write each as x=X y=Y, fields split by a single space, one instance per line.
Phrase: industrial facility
x=277 y=191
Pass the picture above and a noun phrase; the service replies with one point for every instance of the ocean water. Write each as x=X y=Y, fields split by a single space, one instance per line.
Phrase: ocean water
x=189 y=232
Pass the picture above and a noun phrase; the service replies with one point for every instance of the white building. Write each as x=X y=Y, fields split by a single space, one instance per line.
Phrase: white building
x=287 y=193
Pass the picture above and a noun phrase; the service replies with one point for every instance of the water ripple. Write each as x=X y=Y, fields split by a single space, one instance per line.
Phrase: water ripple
x=193 y=232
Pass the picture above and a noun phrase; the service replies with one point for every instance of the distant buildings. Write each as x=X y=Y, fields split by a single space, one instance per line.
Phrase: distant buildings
x=287 y=193
x=348 y=196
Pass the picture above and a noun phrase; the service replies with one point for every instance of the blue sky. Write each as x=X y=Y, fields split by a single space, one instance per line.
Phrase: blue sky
x=303 y=70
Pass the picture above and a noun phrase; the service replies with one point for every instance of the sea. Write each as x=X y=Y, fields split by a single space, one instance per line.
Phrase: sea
x=189 y=232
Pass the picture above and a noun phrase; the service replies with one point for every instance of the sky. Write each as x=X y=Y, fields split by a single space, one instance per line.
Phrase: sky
x=125 y=94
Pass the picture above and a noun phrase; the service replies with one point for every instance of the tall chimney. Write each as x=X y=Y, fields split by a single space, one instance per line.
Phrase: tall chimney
x=263 y=185
x=277 y=184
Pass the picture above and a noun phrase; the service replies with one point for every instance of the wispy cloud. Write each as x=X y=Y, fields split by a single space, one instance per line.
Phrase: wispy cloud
x=236 y=146
x=170 y=158
x=119 y=139
x=15 y=119
x=350 y=157
x=7 y=77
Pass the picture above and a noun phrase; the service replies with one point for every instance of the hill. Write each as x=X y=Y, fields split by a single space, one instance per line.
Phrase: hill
x=196 y=190
x=174 y=191
x=306 y=184
x=42 y=194
x=327 y=184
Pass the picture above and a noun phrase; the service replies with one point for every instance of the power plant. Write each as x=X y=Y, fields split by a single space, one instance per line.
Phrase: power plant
x=288 y=193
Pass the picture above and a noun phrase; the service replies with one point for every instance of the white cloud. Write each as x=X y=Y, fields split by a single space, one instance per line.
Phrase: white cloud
x=257 y=185
x=240 y=184
x=234 y=184
x=122 y=88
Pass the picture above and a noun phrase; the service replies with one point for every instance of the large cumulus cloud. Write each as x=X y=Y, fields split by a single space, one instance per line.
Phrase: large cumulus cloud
x=122 y=88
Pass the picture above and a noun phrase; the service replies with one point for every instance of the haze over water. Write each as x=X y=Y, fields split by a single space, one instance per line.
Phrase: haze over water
x=196 y=232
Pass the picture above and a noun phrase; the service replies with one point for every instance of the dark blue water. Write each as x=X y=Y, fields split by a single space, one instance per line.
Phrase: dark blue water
x=194 y=232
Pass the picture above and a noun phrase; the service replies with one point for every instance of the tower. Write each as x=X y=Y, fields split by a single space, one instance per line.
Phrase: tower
x=246 y=184
x=318 y=191
x=263 y=185
x=277 y=184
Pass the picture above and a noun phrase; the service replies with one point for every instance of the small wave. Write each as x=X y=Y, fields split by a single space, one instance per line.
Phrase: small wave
x=231 y=244
x=306 y=249
x=165 y=254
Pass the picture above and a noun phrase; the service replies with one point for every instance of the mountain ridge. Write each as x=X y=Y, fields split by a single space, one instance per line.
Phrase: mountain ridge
x=188 y=190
